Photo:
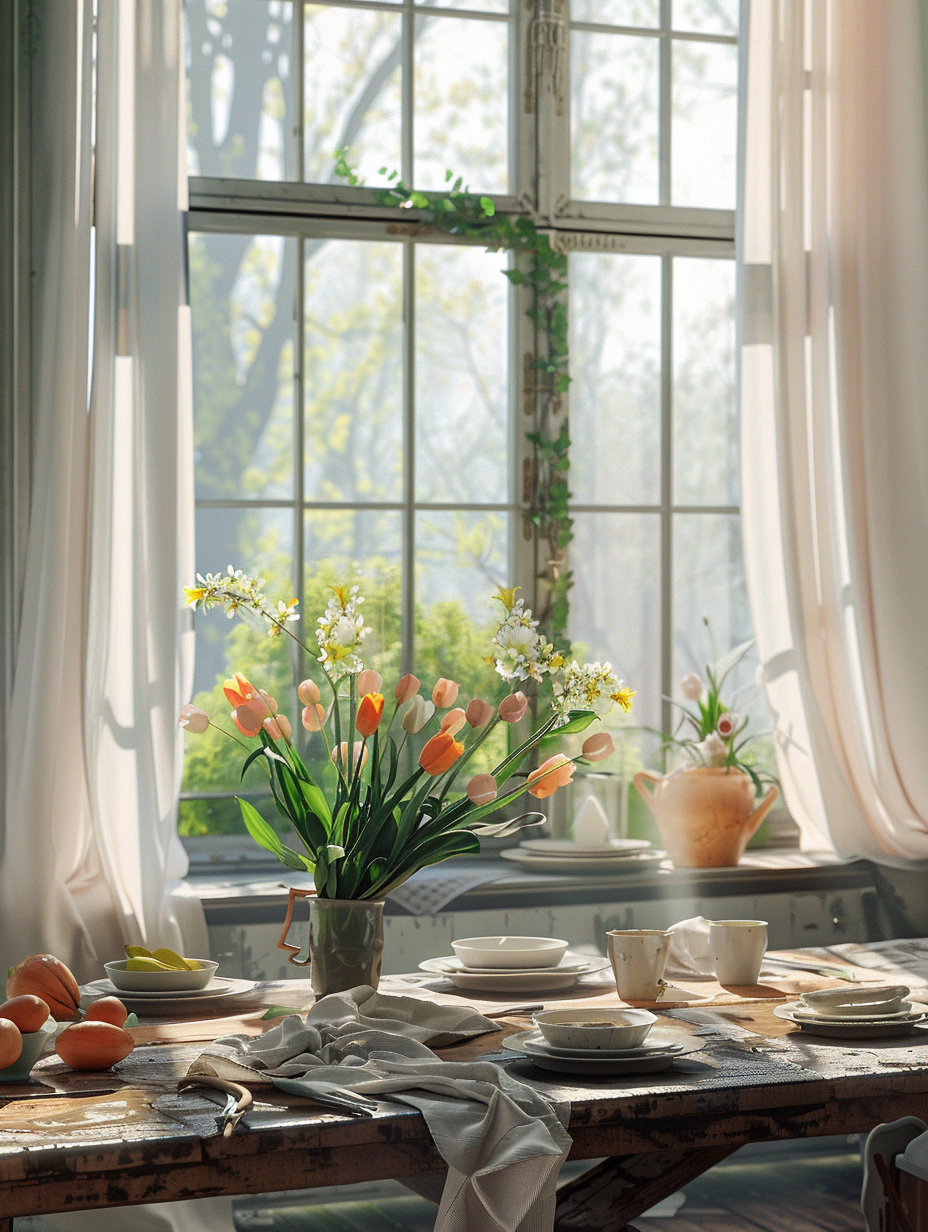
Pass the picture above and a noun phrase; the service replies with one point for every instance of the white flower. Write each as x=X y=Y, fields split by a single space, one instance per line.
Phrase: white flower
x=521 y=652
x=588 y=686
x=341 y=631
x=692 y=687
x=713 y=750
x=416 y=714
x=727 y=724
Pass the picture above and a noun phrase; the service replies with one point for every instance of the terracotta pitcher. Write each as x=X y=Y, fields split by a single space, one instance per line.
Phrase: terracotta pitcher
x=704 y=814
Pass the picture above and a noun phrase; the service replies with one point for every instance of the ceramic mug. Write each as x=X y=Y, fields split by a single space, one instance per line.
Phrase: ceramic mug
x=737 y=949
x=638 y=957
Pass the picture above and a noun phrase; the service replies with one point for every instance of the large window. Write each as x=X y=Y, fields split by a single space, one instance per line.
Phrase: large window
x=362 y=381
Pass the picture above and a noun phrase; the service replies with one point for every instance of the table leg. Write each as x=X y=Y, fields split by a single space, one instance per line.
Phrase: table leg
x=607 y=1196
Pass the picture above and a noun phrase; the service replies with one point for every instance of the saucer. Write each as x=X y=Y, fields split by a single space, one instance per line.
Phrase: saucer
x=873 y=1028
x=660 y=1041
x=600 y=1066
x=614 y=862
x=567 y=847
x=541 y=979
x=911 y=1012
x=578 y=963
x=155 y=1004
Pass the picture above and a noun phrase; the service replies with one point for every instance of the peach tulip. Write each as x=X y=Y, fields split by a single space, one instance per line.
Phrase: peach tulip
x=407 y=688
x=418 y=714
x=193 y=719
x=479 y=713
x=513 y=707
x=370 y=712
x=453 y=721
x=248 y=718
x=369 y=681
x=595 y=748
x=482 y=789
x=359 y=754
x=314 y=717
x=238 y=690
x=308 y=693
x=278 y=727
x=445 y=693
x=269 y=701
x=556 y=772
x=440 y=753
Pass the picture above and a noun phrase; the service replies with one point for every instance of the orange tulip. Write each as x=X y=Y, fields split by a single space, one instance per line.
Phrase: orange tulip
x=308 y=693
x=370 y=712
x=238 y=690
x=445 y=693
x=278 y=727
x=453 y=721
x=314 y=717
x=479 y=713
x=440 y=753
x=482 y=789
x=407 y=688
x=513 y=707
x=369 y=681
x=556 y=772
x=248 y=718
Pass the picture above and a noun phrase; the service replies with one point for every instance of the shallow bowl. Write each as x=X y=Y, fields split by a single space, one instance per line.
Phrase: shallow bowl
x=160 y=981
x=595 y=1029
x=855 y=1002
x=33 y=1043
x=503 y=952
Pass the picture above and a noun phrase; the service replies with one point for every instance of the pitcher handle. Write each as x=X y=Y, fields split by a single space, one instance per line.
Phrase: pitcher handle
x=283 y=943
x=754 y=821
x=647 y=794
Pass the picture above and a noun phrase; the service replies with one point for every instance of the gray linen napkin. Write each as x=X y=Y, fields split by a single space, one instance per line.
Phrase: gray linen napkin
x=504 y=1142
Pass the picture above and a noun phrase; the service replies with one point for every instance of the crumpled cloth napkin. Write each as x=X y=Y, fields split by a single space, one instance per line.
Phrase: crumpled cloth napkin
x=689 y=956
x=503 y=1141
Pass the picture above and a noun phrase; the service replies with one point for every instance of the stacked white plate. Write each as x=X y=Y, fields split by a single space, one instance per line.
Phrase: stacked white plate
x=554 y=855
x=161 y=1004
x=860 y=1013
x=658 y=1052
x=515 y=979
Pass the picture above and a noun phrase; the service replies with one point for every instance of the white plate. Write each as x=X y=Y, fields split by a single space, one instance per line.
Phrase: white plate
x=602 y=1067
x=548 y=979
x=567 y=847
x=578 y=963
x=660 y=1040
x=153 y=1004
x=634 y=862
x=880 y=1029
x=800 y=1011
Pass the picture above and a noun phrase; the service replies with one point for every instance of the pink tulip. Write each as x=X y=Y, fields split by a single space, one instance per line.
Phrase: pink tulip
x=595 y=748
x=193 y=719
x=369 y=681
x=308 y=693
x=278 y=727
x=358 y=750
x=556 y=772
x=513 y=707
x=314 y=717
x=453 y=721
x=445 y=693
x=479 y=713
x=249 y=716
x=482 y=789
x=407 y=688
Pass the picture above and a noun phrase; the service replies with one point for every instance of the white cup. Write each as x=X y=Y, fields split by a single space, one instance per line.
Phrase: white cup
x=638 y=957
x=737 y=949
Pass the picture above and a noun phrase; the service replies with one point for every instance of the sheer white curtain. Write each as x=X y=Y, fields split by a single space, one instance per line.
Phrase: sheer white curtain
x=834 y=398
x=91 y=857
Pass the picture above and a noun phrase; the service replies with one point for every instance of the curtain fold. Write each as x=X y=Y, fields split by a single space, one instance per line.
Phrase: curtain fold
x=833 y=269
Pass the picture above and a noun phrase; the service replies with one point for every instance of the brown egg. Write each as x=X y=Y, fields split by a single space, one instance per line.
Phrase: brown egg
x=11 y=1042
x=93 y=1045
x=28 y=1012
x=107 y=1009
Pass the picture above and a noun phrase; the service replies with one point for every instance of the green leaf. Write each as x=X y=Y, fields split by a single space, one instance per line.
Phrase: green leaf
x=487 y=206
x=577 y=721
x=315 y=798
x=279 y=1011
x=265 y=836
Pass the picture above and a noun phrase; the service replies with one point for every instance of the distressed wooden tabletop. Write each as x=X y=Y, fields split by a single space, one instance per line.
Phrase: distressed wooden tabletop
x=81 y=1141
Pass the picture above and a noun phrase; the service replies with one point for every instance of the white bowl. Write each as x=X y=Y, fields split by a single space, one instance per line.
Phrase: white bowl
x=33 y=1043
x=595 y=1028
x=502 y=952
x=855 y=1002
x=160 y=981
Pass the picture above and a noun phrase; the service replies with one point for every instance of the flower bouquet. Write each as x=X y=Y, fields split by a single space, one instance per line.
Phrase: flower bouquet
x=395 y=807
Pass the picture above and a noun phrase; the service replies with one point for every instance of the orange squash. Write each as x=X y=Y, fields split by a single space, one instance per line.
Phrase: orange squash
x=107 y=1009
x=93 y=1045
x=43 y=975
x=11 y=1042
x=28 y=1012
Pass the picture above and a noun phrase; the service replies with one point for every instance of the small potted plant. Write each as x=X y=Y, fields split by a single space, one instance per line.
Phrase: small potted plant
x=714 y=801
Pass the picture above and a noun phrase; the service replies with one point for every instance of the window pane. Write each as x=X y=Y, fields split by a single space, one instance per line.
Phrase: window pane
x=617 y=12
x=705 y=118
x=486 y=6
x=240 y=90
x=461 y=375
x=461 y=561
x=352 y=90
x=707 y=16
x=461 y=104
x=705 y=414
x=241 y=295
x=615 y=362
x=353 y=373
x=615 y=602
x=614 y=117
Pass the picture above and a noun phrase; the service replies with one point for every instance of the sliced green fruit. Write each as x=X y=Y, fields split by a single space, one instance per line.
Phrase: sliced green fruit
x=147 y=964
x=137 y=951
x=171 y=958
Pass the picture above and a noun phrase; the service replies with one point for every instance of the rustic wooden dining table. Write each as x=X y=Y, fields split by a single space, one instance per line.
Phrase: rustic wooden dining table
x=75 y=1142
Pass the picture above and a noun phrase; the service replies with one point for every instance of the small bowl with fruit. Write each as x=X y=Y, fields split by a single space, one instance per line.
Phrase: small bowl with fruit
x=161 y=970
x=25 y=1028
